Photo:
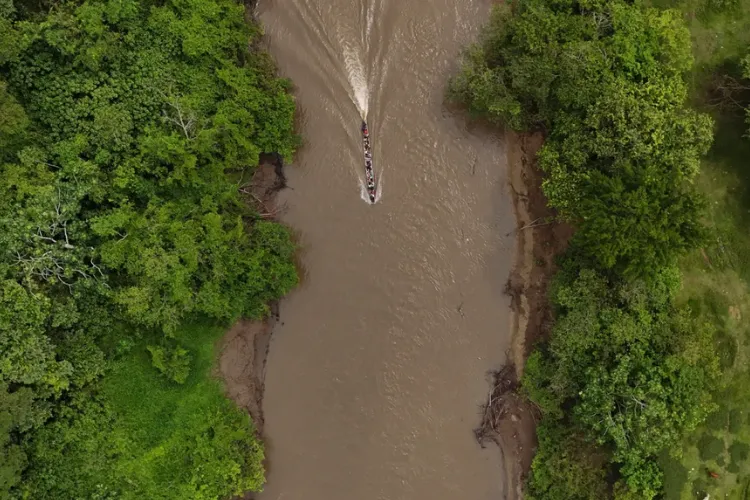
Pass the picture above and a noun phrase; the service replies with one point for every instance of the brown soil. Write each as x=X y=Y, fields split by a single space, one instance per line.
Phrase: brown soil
x=508 y=418
x=540 y=239
x=260 y=191
x=242 y=364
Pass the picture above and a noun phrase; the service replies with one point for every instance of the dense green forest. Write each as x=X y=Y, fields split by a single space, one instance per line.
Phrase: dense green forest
x=648 y=347
x=125 y=128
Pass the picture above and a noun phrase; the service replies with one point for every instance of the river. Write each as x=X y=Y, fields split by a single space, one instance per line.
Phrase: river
x=376 y=373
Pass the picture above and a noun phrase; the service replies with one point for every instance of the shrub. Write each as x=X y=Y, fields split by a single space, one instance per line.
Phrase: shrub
x=710 y=447
x=566 y=466
x=675 y=476
x=738 y=451
x=736 y=420
x=719 y=419
x=173 y=361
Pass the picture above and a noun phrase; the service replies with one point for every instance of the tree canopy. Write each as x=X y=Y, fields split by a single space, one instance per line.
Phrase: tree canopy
x=625 y=372
x=126 y=127
x=626 y=368
x=604 y=80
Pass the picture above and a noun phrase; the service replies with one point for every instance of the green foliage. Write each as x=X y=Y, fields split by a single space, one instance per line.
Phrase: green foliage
x=719 y=419
x=6 y=9
x=13 y=121
x=625 y=368
x=73 y=454
x=566 y=467
x=675 y=476
x=715 y=289
x=739 y=451
x=124 y=128
x=171 y=360
x=26 y=354
x=180 y=441
x=632 y=372
x=736 y=420
x=141 y=436
x=148 y=135
x=621 y=147
x=710 y=447
x=17 y=413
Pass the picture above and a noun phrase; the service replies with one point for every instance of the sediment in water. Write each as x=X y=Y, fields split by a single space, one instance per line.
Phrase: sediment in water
x=508 y=418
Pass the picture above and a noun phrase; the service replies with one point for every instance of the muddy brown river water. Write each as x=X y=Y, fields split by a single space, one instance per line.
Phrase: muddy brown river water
x=375 y=377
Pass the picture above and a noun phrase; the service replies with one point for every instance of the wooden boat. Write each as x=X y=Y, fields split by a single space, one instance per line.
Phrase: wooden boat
x=371 y=185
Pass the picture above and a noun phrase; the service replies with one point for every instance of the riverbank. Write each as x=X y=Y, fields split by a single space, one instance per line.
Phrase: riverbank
x=244 y=348
x=508 y=418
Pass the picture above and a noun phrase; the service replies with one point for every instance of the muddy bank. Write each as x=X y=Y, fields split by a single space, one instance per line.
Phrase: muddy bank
x=509 y=419
x=244 y=348
x=539 y=240
x=242 y=363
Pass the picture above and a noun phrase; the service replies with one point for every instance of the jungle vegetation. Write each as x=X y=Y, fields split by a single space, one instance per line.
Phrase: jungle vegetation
x=126 y=127
x=646 y=347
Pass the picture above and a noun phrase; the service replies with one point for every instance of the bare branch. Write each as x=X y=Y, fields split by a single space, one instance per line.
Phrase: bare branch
x=183 y=118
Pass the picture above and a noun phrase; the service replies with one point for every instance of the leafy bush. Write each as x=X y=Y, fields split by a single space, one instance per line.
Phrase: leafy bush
x=566 y=467
x=172 y=360
x=736 y=420
x=739 y=451
x=710 y=447
x=719 y=419
x=136 y=437
x=608 y=336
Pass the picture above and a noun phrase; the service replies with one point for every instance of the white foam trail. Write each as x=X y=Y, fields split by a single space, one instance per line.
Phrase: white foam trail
x=356 y=74
x=379 y=188
x=370 y=22
x=363 y=191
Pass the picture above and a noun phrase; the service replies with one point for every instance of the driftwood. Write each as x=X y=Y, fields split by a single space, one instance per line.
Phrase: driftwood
x=540 y=221
x=264 y=211
x=501 y=402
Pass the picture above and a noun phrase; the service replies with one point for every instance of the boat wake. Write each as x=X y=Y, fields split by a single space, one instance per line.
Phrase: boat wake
x=370 y=188
x=357 y=79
